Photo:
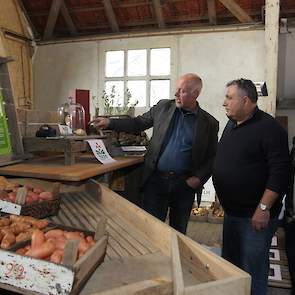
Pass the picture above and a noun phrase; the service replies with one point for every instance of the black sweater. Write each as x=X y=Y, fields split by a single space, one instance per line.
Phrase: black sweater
x=251 y=157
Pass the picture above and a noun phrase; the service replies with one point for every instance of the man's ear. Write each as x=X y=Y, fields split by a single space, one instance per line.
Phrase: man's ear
x=196 y=93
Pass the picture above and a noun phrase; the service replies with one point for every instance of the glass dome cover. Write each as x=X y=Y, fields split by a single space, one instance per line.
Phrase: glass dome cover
x=73 y=115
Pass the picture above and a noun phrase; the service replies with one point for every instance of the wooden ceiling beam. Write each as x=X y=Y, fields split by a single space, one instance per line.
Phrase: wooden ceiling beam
x=68 y=19
x=51 y=21
x=28 y=19
x=212 y=12
x=159 y=13
x=237 y=11
x=111 y=15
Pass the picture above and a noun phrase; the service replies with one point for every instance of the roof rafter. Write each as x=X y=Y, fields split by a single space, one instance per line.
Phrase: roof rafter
x=237 y=11
x=111 y=15
x=159 y=13
x=68 y=19
x=52 y=17
x=212 y=12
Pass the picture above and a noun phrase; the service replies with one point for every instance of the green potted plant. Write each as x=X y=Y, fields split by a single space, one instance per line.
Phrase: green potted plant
x=109 y=100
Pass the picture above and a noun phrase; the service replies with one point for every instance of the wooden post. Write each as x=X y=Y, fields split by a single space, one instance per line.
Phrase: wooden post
x=272 y=12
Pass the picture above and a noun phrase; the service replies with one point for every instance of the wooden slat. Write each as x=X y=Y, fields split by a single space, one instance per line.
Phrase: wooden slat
x=237 y=11
x=157 y=286
x=159 y=13
x=68 y=19
x=111 y=15
x=178 y=284
x=122 y=240
x=212 y=12
x=119 y=226
x=81 y=211
x=135 y=236
x=51 y=21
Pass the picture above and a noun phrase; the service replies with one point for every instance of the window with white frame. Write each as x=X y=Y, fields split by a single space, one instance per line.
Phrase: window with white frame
x=146 y=73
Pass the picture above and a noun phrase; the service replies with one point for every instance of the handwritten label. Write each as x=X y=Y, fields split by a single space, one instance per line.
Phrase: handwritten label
x=34 y=274
x=14 y=270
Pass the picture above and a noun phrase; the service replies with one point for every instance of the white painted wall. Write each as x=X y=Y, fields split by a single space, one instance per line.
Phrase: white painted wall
x=217 y=57
x=286 y=85
x=62 y=68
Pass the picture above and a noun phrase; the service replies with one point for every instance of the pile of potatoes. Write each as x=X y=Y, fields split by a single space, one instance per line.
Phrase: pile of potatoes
x=14 y=229
x=50 y=245
x=8 y=192
x=201 y=211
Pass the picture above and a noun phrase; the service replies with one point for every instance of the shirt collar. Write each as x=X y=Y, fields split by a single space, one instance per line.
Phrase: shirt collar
x=195 y=112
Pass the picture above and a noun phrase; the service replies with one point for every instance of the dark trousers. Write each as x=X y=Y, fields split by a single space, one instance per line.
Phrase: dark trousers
x=248 y=249
x=290 y=250
x=161 y=193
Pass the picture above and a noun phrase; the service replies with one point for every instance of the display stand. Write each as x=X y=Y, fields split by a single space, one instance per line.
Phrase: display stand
x=12 y=148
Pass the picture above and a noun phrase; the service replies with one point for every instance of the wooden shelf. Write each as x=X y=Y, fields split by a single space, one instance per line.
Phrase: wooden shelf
x=53 y=168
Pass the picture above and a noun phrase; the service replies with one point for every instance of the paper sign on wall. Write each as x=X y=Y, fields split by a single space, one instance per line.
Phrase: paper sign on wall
x=100 y=152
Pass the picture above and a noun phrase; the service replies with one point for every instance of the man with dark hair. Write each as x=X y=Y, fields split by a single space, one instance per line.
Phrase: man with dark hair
x=180 y=154
x=250 y=175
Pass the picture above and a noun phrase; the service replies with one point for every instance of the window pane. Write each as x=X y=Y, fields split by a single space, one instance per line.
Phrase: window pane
x=114 y=91
x=160 y=61
x=114 y=63
x=160 y=89
x=137 y=62
x=138 y=92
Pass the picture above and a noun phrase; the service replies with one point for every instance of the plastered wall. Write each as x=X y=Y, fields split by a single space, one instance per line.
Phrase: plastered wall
x=217 y=57
x=60 y=69
x=286 y=73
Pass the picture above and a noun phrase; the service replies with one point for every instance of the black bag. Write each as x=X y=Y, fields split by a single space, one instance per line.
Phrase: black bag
x=46 y=131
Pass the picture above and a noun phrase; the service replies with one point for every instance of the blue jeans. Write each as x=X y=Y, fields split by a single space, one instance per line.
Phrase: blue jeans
x=248 y=249
x=173 y=193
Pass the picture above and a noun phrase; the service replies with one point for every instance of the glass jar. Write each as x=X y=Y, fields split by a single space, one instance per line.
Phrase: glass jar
x=72 y=114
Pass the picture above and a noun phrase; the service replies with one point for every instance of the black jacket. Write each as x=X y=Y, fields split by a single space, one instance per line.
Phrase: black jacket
x=159 y=117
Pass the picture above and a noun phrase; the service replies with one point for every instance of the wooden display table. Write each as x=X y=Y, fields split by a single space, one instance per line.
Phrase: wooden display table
x=53 y=168
x=69 y=145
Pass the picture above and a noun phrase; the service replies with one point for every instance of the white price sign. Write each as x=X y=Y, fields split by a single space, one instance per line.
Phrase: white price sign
x=9 y=207
x=34 y=274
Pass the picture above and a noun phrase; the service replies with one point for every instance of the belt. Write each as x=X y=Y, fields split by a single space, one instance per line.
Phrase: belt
x=172 y=174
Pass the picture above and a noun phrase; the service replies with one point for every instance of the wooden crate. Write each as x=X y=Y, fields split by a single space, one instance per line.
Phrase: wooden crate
x=36 y=209
x=145 y=255
x=70 y=146
x=27 y=275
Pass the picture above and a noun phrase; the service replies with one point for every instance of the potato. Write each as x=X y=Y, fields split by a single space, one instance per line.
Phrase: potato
x=46 y=196
x=38 y=238
x=54 y=233
x=40 y=224
x=23 y=237
x=19 y=227
x=12 y=197
x=46 y=249
x=8 y=240
x=4 y=221
x=3 y=194
x=38 y=190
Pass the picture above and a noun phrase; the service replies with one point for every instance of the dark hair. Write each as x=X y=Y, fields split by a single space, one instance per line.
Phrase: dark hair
x=247 y=86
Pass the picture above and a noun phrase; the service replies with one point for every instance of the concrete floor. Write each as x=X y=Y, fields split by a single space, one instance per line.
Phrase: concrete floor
x=210 y=234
